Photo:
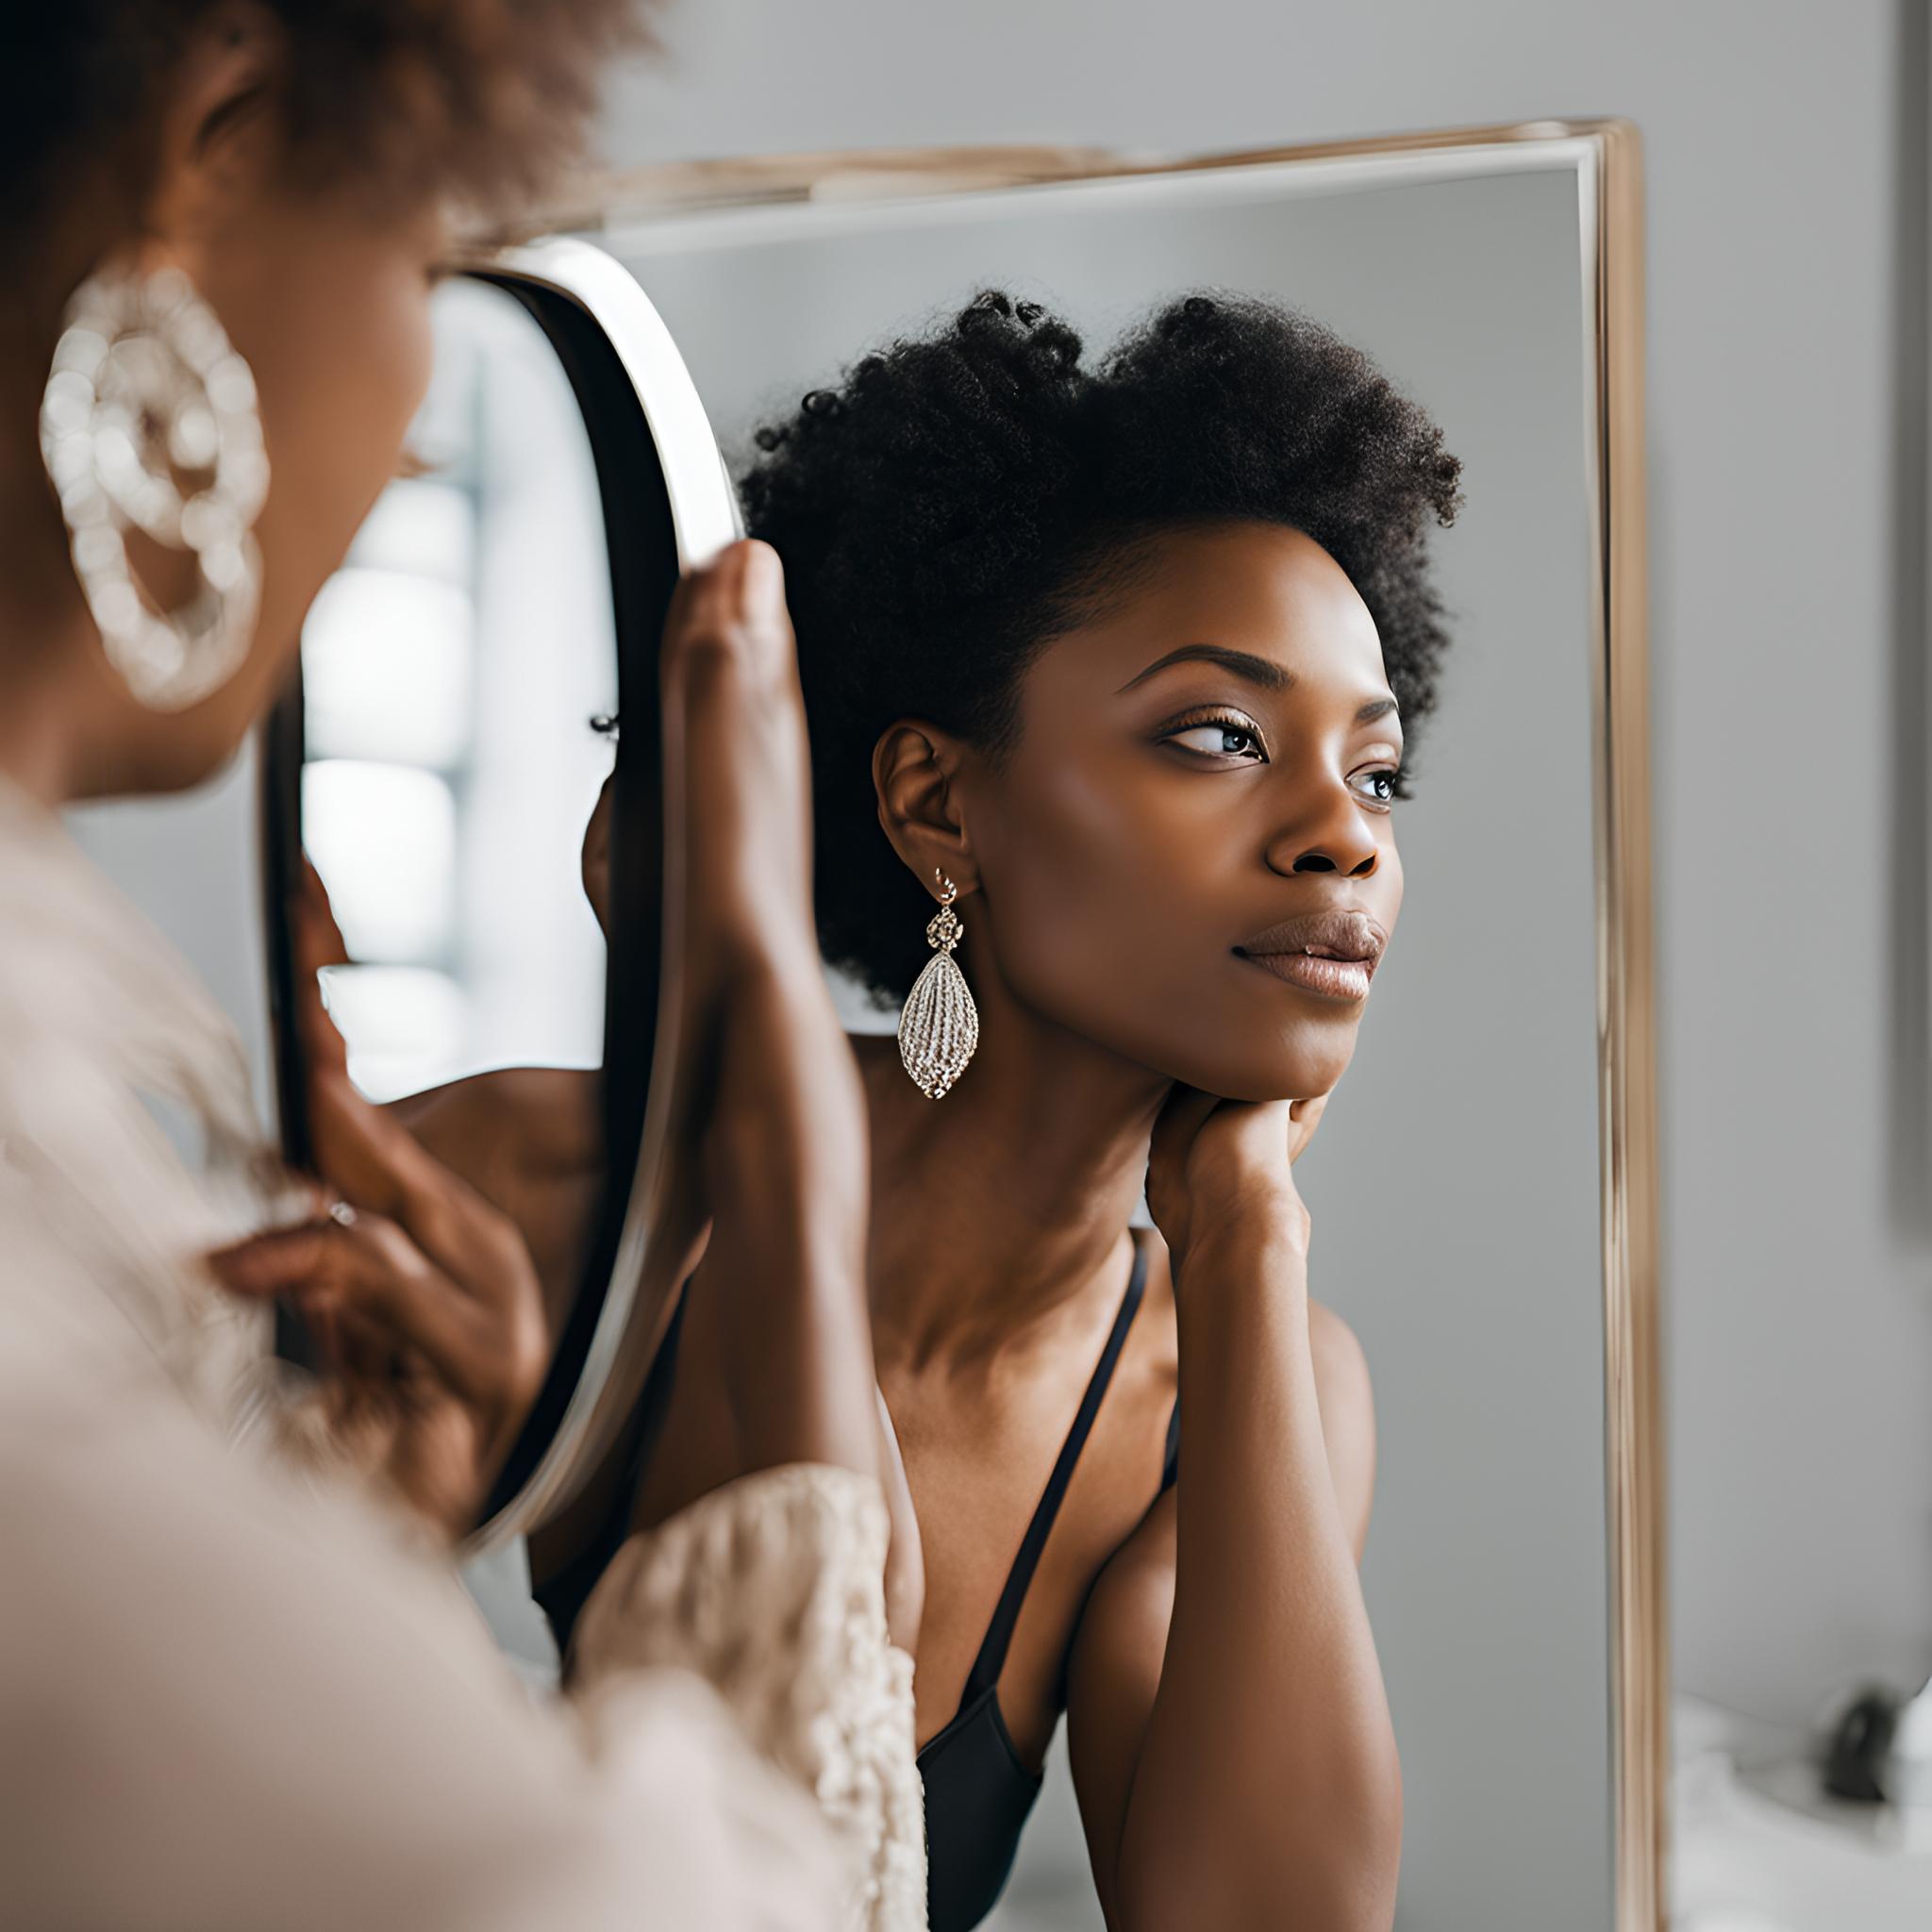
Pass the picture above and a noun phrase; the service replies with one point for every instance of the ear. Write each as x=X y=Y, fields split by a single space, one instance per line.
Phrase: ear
x=915 y=766
x=215 y=134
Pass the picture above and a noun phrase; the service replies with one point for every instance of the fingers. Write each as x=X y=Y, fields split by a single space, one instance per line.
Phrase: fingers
x=429 y=1261
x=731 y=610
x=331 y=949
x=317 y=943
x=1182 y=1116
x=380 y=1168
x=368 y=1282
x=1305 y=1116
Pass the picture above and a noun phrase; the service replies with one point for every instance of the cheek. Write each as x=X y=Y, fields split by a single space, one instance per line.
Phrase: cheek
x=339 y=344
x=1117 y=893
x=337 y=398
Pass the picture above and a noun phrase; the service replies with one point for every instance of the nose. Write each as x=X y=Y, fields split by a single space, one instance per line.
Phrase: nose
x=1330 y=834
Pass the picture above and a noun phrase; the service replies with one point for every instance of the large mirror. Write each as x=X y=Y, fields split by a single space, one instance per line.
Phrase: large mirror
x=1482 y=1184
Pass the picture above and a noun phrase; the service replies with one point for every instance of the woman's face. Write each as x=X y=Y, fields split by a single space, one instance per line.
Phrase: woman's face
x=1209 y=758
x=330 y=308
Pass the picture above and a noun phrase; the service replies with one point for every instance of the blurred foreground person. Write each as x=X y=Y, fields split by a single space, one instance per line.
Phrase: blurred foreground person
x=239 y=1685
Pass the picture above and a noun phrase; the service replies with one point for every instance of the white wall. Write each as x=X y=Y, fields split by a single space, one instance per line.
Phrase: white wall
x=1798 y=1257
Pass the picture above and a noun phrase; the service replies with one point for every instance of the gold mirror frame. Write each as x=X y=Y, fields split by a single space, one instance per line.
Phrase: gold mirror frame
x=1608 y=157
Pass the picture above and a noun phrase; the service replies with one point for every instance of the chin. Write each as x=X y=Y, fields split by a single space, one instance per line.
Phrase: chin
x=1275 y=1070
x=1255 y=1084
x=182 y=757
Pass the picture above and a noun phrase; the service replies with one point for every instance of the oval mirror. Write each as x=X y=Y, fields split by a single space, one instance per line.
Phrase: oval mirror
x=447 y=761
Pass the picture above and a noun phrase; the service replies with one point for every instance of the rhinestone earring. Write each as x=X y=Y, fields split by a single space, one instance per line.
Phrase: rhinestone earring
x=940 y=1026
x=145 y=389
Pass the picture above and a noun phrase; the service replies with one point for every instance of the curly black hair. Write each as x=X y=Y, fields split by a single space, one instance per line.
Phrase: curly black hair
x=965 y=496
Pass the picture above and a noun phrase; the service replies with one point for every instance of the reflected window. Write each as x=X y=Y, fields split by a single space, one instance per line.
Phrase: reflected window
x=450 y=670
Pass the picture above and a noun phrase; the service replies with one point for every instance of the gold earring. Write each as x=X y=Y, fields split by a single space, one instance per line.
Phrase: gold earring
x=939 y=1026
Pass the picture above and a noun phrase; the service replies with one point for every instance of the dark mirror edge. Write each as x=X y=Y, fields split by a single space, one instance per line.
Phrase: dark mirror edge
x=644 y=572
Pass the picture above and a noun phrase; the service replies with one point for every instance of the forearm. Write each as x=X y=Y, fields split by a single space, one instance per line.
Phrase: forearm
x=1268 y=1790
x=360 y=1756
x=788 y=1184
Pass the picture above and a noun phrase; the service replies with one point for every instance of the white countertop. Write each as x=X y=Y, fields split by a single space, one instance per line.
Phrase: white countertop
x=1758 y=1846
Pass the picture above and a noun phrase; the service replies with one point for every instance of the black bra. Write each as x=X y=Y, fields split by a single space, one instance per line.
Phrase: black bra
x=978 y=1794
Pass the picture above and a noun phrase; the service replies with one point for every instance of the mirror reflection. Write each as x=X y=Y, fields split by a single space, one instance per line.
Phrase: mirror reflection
x=1178 y=602
x=1130 y=636
x=459 y=681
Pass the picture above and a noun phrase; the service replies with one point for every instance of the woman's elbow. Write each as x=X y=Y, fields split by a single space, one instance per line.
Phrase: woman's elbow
x=1335 y=1873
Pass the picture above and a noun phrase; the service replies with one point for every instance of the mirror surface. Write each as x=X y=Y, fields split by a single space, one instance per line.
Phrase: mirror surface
x=450 y=767
x=449 y=771
x=450 y=673
x=1454 y=1181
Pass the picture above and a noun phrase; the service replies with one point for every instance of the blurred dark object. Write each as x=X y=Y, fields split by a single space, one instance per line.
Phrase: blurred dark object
x=1854 y=1767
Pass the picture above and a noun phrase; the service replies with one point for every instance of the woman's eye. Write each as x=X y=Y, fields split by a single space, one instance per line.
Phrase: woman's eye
x=1220 y=740
x=1385 y=778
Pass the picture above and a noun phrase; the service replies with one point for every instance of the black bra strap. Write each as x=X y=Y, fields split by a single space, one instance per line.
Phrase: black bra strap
x=993 y=1653
x=1172 y=1467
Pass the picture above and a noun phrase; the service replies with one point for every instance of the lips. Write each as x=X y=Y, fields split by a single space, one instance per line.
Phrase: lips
x=1333 y=953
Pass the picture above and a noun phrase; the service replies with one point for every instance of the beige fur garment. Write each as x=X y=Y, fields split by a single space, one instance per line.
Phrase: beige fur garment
x=238 y=1688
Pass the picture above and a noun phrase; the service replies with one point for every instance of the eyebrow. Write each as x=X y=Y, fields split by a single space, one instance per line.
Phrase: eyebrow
x=1261 y=671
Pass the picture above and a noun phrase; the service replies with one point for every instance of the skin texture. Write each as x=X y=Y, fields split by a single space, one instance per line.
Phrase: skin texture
x=1233 y=1751
x=1115 y=872
x=330 y=309
x=430 y=1296
x=1231 y=1740
x=429 y=1302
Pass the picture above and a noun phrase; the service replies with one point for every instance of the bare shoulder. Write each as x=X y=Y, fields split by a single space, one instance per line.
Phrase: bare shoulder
x=1113 y=1675
x=1133 y=1596
x=548 y=1115
x=1341 y=1366
x=1347 y=1401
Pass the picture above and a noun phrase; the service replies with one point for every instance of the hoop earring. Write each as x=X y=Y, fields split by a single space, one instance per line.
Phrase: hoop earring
x=146 y=385
x=939 y=1026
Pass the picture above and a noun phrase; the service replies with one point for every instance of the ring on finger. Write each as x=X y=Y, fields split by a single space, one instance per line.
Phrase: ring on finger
x=342 y=1213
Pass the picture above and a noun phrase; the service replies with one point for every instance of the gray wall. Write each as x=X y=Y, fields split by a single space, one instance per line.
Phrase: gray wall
x=1788 y=856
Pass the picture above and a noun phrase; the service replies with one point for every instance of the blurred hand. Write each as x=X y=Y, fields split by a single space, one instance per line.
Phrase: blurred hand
x=421 y=1296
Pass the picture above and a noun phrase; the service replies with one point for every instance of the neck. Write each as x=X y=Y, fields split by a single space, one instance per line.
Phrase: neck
x=54 y=695
x=44 y=745
x=999 y=1205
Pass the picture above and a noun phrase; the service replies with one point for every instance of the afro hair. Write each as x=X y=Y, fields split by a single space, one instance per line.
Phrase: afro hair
x=964 y=495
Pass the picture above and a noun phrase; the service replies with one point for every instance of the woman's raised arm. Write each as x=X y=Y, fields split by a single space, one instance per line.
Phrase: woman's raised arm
x=1229 y=1731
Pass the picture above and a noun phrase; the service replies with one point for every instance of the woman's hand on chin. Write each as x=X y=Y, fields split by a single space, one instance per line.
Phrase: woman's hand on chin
x=1221 y=1170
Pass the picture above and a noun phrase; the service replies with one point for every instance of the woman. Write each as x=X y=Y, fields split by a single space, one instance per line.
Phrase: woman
x=1114 y=664
x=239 y=1687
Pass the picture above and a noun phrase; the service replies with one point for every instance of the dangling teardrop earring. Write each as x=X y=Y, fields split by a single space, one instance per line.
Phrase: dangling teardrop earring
x=940 y=1026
